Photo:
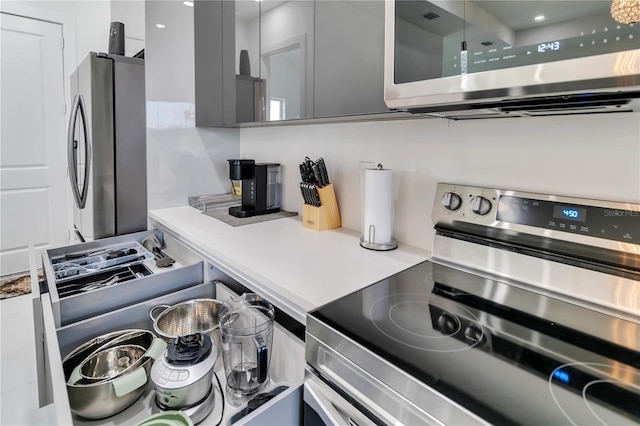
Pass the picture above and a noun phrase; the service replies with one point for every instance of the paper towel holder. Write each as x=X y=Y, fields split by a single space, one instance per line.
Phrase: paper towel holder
x=390 y=245
x=371 y=243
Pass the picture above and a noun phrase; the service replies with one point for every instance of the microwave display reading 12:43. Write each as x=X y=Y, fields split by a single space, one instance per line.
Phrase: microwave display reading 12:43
x=570 y=212
x=545 y=47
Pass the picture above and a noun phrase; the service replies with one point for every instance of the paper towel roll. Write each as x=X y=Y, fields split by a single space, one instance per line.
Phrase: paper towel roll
x=378 y=206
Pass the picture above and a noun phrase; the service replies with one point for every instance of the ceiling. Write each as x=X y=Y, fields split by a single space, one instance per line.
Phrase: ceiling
x=518 y=15
x=248 y=10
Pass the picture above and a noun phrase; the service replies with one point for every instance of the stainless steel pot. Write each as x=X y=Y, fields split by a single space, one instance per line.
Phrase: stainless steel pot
x=188 y=317
x=96 y=400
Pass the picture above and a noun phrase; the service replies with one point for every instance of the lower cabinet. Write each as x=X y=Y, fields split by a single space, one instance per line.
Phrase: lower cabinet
x=54 y=341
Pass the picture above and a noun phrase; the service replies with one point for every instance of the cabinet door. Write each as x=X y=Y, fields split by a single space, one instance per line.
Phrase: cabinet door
x=277 y=60
x=349 y=58
x=214 y=46
x=229 y=89
x=286 y=58
x=250 y=88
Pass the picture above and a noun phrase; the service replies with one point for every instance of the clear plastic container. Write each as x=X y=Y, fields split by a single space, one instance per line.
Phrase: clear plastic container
x=73 y=265
x=246 y=330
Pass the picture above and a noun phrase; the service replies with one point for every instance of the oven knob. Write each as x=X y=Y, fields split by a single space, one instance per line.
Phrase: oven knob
x=480 y=205
x=473 y=335
x=447 y=324
x=451 y=201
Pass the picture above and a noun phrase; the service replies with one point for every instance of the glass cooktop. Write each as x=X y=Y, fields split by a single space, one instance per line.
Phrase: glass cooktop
x=510 y=355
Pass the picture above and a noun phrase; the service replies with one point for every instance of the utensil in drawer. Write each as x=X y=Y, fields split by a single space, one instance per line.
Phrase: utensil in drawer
x=72 y=289
x=114 y=254
x=163 y=260
x=153 y=245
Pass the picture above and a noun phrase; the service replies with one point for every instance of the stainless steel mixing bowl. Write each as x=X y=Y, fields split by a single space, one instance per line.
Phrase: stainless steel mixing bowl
x=111 y=362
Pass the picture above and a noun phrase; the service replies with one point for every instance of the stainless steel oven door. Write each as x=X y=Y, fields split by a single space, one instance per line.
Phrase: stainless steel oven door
x=324 y=406
x=380 y=390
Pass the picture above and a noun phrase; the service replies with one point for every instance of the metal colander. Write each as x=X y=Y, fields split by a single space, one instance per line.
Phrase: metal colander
x=188 y=317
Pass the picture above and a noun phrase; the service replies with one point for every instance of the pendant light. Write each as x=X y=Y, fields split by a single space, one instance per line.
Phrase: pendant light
x=625 y=11
x=463 y=45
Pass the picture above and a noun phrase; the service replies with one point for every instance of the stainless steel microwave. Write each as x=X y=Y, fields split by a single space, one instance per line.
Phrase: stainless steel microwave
x=484 y=57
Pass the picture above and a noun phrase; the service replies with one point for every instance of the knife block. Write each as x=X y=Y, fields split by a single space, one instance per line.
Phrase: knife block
x=327 y=216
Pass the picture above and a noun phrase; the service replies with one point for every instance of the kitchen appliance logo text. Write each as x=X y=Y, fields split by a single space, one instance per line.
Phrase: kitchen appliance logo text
x=620 y=213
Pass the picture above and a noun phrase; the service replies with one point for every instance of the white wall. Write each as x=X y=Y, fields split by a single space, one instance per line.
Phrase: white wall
x=92 y=22
x=131 y=14
x=182 y=160
x=594 y=156
x=93 y=18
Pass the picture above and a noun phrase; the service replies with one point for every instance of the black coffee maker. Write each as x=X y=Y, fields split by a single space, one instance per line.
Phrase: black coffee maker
x=260 y=187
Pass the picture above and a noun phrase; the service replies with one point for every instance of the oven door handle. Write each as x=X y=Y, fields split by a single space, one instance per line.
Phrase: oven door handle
x=332 y=408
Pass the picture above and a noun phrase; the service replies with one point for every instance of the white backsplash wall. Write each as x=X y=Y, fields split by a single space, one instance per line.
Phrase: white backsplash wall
x=593 y=156
x=182 y=160
x=131 y=14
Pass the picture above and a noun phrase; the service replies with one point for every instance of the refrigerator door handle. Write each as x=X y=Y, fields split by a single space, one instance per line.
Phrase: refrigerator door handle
x=87 y=153
x=78 y=105
x=71 y=150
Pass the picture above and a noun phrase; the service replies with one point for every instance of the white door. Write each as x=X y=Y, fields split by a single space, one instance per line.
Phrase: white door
x=33 y=179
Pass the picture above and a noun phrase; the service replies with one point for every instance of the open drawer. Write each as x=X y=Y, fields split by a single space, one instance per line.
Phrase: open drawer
x=85 y=280
x=286 y=368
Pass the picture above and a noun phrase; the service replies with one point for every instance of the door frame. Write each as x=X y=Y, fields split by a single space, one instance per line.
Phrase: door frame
x=69 y=63
x=267 y=52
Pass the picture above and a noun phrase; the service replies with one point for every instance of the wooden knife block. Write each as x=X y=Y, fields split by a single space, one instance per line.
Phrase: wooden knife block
x=327 y=216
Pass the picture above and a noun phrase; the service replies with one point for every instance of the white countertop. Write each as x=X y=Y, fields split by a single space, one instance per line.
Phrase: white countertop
x=295 y=268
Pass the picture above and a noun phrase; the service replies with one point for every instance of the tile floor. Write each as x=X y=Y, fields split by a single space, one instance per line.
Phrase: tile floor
x=18 y=387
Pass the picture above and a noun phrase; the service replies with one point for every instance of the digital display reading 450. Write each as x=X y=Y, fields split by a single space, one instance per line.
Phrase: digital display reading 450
x=570 y=213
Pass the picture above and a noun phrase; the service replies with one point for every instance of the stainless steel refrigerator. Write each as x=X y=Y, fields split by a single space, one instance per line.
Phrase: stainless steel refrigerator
x=107 y=146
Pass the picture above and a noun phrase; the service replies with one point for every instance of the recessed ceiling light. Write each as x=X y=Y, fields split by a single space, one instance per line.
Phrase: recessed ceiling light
x=188 y=3
x=160 y=26
x=430 y=16
x=539 y=18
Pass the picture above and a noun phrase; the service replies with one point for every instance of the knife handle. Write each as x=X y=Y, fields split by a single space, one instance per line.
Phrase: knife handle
x=317 y=175
x=316 y=196
x=304 y=193
x=323 y=171
x=302 y=173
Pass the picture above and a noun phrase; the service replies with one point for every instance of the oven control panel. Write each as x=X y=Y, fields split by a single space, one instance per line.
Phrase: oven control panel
x=611 y=223
x=537 y=213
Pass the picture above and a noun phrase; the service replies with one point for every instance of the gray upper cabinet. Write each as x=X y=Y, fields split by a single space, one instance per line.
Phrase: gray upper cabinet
x=214 y=47
x=274 y=60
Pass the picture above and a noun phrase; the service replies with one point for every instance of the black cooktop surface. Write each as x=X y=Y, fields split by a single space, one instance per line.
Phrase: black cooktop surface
x=506 y=353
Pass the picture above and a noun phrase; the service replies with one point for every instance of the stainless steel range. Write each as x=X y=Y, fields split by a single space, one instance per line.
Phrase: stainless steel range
x=527 y=313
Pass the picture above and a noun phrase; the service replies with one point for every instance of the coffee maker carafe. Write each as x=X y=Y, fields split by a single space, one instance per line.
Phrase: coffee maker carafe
x=260 y=187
